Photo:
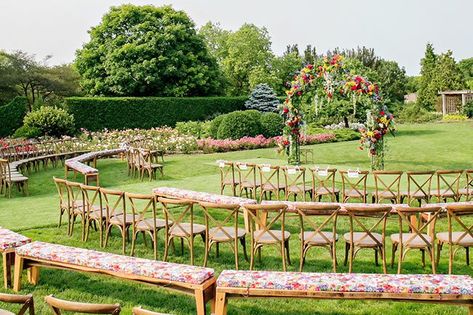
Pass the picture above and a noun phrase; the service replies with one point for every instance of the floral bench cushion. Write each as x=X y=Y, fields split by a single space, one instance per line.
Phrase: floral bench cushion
x=291 y=205
x=76 y=163
x=116 y=263
x=345 y=282
x=10 y=239
x=200 y=196
x=445 y=204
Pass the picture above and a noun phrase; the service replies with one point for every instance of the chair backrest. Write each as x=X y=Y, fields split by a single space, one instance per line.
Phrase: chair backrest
x=469 y=184
x=2 y=170
x=307 y=211
x=114 y=201
x=26 y=301
x=294 y=177
x=61 y=186
x=410 y=215
x=142 y=206
x=455 y=214
x=58 y=305
x=75 y=194
x=387 y=184
x=139 y=311
x=419 y=184
x=177 y=211
x=323 y=180
x=359 y=216
x=222 y=216
x=269 y=176
x=5 y=169
x=92 y=198
x=261 y=221
x=354 y=184
x=246 y=172
x=448 y=180
x=227 y=172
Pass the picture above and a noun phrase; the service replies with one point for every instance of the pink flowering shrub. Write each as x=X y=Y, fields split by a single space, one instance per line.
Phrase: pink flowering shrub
x=210 y=145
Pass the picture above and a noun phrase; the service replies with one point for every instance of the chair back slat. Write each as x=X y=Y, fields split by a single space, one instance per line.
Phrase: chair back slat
x=387 y=185
x=354 y=185
x=323 y=180
x=58 y=305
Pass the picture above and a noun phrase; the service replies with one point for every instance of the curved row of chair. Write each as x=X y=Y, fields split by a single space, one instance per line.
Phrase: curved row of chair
x=250 y=178
x=80 y=164
x=144 y=161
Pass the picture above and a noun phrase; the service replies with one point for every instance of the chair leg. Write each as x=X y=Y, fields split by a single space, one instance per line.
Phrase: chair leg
x=439 y=249
x=423 y=257
x=393 y=254
x=347 y=248
x=283 y=255
x=243 y=244
x=376 y=257
x=467 y=249
x=287 y=252
x=302 y=257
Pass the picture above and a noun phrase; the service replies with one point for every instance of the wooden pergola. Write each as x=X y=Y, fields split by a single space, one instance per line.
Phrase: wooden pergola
x=453 y=101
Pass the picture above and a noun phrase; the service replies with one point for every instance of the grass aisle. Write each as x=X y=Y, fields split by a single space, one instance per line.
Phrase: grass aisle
x=416 y=147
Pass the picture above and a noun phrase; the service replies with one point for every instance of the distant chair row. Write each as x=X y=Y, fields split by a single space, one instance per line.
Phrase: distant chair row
x=58 y=305
x=263 y=180
x=141 y=161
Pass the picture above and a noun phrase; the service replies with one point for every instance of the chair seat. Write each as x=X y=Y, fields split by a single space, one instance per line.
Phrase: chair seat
x=16 y=179
x=327 y=191
x=466 y=192
x=298 y=189
x=384 y=195
x=466 y=240
x=267 y=238
x=5 y=312
x=247 y=184
x=414 y=194
x=269 y=186
x=362 y=240
x=154 y=165
x=352 y=193
x=184 y=229
x=118 y=219
x=447 y=193
x=416 y=242
x=231 y=182
x=312 y=238
x=148 y=224
x=218 y=234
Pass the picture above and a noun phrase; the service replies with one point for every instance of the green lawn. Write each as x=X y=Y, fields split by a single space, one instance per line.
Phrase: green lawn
x=416 y=147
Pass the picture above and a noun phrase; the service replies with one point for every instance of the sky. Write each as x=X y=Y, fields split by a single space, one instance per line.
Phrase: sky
x=397 y=29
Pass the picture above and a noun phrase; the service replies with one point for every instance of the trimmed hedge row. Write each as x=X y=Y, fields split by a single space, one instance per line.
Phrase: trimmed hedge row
x=97 y=113
x=11 y=115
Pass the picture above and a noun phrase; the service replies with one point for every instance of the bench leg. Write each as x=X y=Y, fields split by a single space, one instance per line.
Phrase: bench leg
x=18 y=271
x=33 y=275
x=7 y=263
x=200 y=302
x=221 y=304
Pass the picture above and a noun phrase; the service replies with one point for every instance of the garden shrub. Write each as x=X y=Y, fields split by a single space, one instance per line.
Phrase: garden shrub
x=240 y=124
x=263 y=99
x=198 y=129
x=413 y=113
x=214 y=125
x=27 y=132
x=454 y=117
x=51 y=121
x=272 y=124
x=346 y=134
x=468 y=109
x=11 y=115
x=97 y=113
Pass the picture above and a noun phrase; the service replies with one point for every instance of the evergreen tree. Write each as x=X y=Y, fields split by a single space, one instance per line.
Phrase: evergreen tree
x=263 y=99
x=427 y=93
x=448 y=74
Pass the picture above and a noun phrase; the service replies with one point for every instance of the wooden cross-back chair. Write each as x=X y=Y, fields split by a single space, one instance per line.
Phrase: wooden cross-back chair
x=417 y=236
x=223 y=229
x=8 y=180
x=115 y=206
x=247 y=179
x=458 y=236
x=419 y=186
x=147 y=166
x=387 y=186
x=448 y=185
x=323 y=184
x=76 y=206
x=354 y=185
x=322 y=234
x=130 y=162
x=295 y=182
x=178 y=211
x=58 y=305
x=145 y=220
x=61 y=186
x=367 y=238
x=94 y=212
x=269 y=179
x=263 y=230
x=227 y=176
x=468 y=190
x=26 y=301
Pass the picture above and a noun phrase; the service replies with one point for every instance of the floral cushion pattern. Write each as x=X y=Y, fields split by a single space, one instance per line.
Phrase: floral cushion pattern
x=200 y=196
x=345 y=282
x=76 y=163
x=444 y=204
x=292 y=205
x=10 y=239
x=116 y=263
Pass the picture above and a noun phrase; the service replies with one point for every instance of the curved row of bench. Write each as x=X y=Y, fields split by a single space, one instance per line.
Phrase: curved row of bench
x=80 y=164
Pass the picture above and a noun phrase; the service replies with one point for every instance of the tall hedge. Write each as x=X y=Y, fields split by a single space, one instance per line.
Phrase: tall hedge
x=96 y=113
x=11 y=115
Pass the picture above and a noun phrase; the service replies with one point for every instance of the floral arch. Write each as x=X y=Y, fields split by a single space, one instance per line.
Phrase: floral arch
x=326 y=82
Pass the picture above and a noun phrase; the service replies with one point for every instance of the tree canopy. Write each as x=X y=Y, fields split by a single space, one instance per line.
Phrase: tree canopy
x=147 y=51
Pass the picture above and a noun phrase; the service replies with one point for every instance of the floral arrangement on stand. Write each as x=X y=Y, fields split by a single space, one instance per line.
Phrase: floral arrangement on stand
x=329 y=80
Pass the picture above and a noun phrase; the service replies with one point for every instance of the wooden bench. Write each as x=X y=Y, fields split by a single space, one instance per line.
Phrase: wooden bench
x=10 y=240
x=78 y=164
x=196 y=281
x=446 y=289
